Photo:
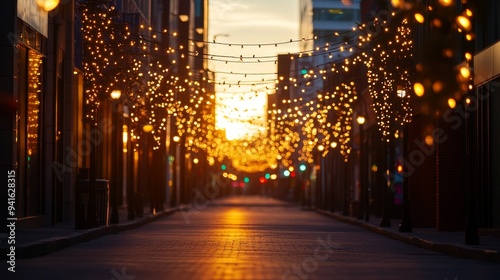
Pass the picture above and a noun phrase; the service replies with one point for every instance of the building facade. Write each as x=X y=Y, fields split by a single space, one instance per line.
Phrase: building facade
x=47 y=143
x=39 y=100
x=445 y=160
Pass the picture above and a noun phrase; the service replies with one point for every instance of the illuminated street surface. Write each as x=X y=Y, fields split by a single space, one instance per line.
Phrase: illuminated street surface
x=249 y=238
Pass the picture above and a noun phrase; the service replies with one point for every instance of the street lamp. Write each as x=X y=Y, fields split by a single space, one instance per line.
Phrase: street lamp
x=115 y=94
x=47 y=5
x=114 y=219
x=361 y=120
x=406 y=225
x=147 y=128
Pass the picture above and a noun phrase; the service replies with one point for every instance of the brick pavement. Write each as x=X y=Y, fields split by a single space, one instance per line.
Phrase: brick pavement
x=250 y=238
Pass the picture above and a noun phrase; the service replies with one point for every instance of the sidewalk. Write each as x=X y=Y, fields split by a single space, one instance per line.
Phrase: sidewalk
x=36 y=242
x=450 y=243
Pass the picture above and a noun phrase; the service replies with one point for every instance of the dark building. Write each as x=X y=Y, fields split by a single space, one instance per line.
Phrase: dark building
x=452 y=183
x=45 y=138
x=40 y=109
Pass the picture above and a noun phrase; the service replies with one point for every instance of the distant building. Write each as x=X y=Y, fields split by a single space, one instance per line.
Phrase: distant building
x=329 y=23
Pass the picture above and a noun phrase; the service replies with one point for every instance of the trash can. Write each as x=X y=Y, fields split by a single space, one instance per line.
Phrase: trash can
x=84 y=215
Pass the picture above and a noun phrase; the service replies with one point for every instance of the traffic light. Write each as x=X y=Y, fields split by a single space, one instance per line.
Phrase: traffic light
x=223 y=167
x=267 y=176
x=262 y=180
x=246 y=180
x=303 y=167
x=286 y=173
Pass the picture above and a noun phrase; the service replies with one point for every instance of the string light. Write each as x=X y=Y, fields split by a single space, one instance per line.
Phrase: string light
x=117 y=55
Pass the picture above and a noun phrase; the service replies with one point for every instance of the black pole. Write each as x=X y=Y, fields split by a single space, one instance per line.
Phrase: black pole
x=92 y=209
x=361 y=204
x=345 y=210
x=365 y=178
x=471 y=224
x=386 y=220
x=405 y=225
x=114 y=219
x=184 y=70
x=130 y=178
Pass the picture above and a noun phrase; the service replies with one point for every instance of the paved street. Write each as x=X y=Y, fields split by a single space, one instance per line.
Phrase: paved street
x=249 y=238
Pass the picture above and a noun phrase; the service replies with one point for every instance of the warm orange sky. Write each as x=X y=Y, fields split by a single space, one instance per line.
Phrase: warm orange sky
x=240 y=109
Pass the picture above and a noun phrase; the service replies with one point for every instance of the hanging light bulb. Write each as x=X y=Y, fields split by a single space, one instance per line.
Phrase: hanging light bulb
x=464 y=23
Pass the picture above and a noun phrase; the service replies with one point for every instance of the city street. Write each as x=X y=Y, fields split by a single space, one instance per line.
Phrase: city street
x=231 y=139
x=249 y=238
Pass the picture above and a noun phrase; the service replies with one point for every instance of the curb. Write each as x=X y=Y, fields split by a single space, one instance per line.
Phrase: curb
x=445 y=248
x=49 y=245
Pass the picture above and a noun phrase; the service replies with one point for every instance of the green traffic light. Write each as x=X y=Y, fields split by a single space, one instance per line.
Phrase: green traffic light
x=246 y=180
x=223 y=167
x=303 y=71
x=303 y=167
x=267 y=176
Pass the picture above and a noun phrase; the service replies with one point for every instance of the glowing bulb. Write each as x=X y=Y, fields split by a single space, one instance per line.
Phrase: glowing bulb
x=445 y=3
x=419 y=17
x=452 y=103
x=401 y=93
x=437 y=86
x=115 y=94
x=419 y=89
x=147 y=128
x=400 y=168
x=465 y=72
x=47 y=5
x=429 y=140
x=463 y=22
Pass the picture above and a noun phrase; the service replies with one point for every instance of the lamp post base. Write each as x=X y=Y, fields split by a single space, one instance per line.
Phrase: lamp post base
x=114 y=216
x=406 y=225
x=471 y=231
x=386 y=221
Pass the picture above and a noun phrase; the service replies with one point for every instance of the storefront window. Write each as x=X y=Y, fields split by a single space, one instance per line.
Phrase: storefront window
x=33 y=112
x=30 y=86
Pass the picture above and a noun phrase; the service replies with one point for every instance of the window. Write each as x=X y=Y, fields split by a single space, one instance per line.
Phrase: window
x=336 y=14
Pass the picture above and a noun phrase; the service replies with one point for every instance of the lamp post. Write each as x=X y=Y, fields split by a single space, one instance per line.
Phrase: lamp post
x=176 y=192
x=345 y=184
x=114 y=219
x=406 y=225
x=363 y=211
x=386 y=221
